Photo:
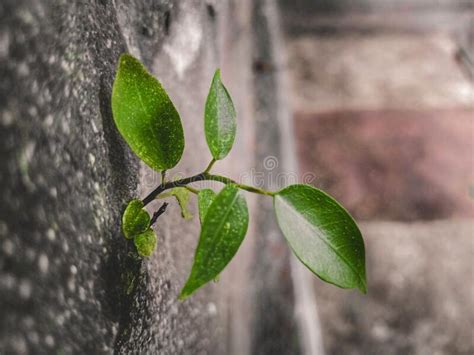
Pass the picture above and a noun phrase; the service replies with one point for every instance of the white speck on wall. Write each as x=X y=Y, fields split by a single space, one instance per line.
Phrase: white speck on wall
x=8 y=247
x=7 y=118
x=465 y=92
x=60 y=320
x=94 y=127
x=33 y=111
x=65 y=247
x=71 y=285
x=4 y=44
x=185 y=40
x=28 y=152
x=23 y=69
x=91 y=159
x=53 y=192
x=25 y=160
x=82 y=294
x=49 y=120
x=43 y=263
x=51 y=234
x=211 y=308
x=65 y=127
x=25 y=289
x=49 y=340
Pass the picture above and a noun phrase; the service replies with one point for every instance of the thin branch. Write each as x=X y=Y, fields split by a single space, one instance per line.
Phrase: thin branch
x=158 y=213
x=201 y=177
x=192 y=189
x=209 y=167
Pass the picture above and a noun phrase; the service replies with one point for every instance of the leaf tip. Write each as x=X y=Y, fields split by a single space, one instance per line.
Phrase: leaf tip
x=185 y=293
x=363 y=286
x=126 y=58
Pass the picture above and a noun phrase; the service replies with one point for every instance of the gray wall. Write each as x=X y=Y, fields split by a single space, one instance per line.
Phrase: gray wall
x=69 y=283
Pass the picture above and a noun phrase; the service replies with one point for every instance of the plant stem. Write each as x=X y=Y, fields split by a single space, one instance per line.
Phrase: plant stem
x=163 y=176
x=158 y=213
x=193 y=190
x=201 y=177
x=209 y=167
x=248 y=188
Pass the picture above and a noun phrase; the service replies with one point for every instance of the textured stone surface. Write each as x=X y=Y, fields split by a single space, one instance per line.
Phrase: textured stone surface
x=420 y=294
x=65 y=177
x=69 y=282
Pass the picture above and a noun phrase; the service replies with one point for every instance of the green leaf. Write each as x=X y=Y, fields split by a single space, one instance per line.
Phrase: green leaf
x=219 y=119
x=222 y=233
x=182 y=195
x=323 y=235
x=145 y=115
x=146 y=242
x=205 y=198
x=135 y=219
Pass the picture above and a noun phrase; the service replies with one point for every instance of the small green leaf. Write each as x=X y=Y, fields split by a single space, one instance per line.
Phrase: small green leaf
x=205 y=198
x=219 y=119
x=146 y=242
x=182 y=196
x=145 y=115
x=222 y=233
x=323 y=235
x=135 y=219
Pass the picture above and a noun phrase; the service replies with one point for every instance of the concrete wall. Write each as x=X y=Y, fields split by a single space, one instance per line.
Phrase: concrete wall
x=68 y=280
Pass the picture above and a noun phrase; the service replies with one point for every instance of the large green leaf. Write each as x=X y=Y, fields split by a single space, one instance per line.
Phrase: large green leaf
x=146 y=242
x=222 y=232
x=205 y=198
x=323 y=235
x=135 y=219
x=219 y=119
x=145 y=115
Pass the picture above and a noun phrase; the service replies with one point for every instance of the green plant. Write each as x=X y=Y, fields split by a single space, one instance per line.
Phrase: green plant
x=321 y=233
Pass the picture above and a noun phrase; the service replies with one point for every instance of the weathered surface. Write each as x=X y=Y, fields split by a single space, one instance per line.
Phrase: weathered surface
x=69 y=281
x=392 y=164
x=377 y=71
x=332 y=17
x=384 y=98
x=274 y=316
x=420 y=293
x=65 y=177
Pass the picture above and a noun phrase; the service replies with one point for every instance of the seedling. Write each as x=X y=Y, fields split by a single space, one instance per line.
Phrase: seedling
x=321 y=233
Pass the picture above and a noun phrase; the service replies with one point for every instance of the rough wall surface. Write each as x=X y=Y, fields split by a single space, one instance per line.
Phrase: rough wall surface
x=69 y=282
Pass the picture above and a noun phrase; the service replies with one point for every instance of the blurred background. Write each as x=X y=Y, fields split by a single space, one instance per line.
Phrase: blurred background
x=383 y=98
